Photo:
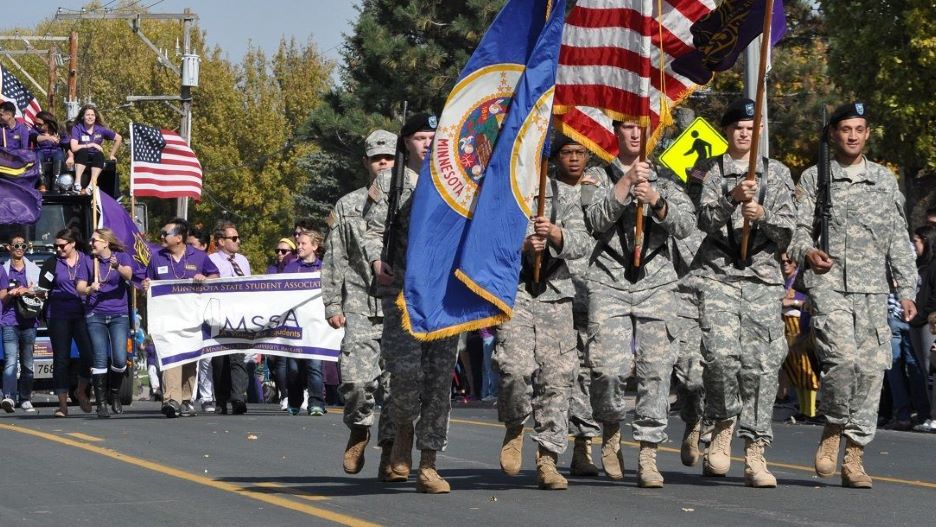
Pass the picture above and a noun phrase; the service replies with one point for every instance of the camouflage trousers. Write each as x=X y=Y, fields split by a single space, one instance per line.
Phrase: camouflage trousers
x=420 y=379
x=616 y=318
x=743 y=346
x=363 y=377
x=853 y=346
x=535 y=357
x=688 y=370
x=581 y=418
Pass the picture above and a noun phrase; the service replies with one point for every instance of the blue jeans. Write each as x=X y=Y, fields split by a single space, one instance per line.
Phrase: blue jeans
x=906 y=377
x=61 y=333
x=109 y=341
x=18 y=343
x=311 y=370
x=491 y=379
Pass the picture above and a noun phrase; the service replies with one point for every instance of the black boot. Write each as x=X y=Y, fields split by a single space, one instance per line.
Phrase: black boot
x=115 y=380
x=97 y=380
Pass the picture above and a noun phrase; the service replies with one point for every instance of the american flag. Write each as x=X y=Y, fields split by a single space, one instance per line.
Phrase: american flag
x=11 y=89
x=162 y=165
x=610 y=67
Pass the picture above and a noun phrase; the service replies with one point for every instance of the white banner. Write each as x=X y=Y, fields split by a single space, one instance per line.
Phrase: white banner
x=270 y=314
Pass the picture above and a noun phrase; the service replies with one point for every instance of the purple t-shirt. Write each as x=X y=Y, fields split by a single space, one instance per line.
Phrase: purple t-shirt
x=64 y=302
x=163 y=267
x=47 y=147
x=111 y=300
x=97 y=134
x=298 y=266
x=16 y=137
x=9 y=316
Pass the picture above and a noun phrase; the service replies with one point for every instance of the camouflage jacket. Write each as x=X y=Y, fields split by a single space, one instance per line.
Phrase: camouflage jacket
x=578 y=267
x=347 y=276
x=770 y=235
x=575 y=242
x=867 y=232
x=376 y=219
x=612 y=223
x=685 y=252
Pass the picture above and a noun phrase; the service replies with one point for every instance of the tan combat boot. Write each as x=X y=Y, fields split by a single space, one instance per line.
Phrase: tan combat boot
x=354 y=450
x=755 y=465
x=383 y=470
x=717 y=459
x=547 y=477
x=853 y=472
x=429 y=481
x=828 y=451
x=401 y=456
x=648 y=476
x=511 y=455
x=582 y=463
x=689 y=453
x=611 y=458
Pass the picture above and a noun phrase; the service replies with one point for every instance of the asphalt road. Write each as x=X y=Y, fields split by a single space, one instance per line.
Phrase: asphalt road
x=267 y=468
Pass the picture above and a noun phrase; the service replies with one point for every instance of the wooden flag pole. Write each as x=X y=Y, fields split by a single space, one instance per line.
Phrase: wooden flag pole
x=540 y=210
x=639 y=221
x=758 y=116
x=94 y=226
x=133 y=290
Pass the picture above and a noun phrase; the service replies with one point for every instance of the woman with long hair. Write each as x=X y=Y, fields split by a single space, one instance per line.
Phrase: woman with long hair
x=106 y=287
x=924 y=243
x=65 y=318
x=48 y=146
x=87 y=139
x=307 y=370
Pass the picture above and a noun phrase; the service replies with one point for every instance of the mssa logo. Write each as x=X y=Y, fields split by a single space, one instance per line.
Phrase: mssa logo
x=282 y=325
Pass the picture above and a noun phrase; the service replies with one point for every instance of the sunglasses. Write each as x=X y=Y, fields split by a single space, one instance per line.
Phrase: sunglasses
x=163 y=234
x=21 y=246
x=232 y=238
x=282 y=251
x=60 y=246
x=297 y=233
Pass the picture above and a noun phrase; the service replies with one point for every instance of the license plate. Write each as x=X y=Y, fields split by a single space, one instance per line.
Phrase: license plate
x=42 y=370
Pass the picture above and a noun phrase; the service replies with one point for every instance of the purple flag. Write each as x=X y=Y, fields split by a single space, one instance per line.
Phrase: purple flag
x=720 y=36
x=20 y=202
x=116 y=218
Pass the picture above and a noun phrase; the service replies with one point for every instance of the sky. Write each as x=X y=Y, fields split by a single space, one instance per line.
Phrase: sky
x=230 y=24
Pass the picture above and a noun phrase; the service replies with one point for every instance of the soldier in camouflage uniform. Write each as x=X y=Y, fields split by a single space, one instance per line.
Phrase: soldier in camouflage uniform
x=420 y=372
x=743 y=343
x=347 y=291
x=535 y=353
x=633 y=303
x=848 y=288
x=582 y=424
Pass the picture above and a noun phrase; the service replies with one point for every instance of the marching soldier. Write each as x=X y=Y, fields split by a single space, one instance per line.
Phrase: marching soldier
x=420 y=372
x=743 y=342
x=535 y=353
x=848 y=288
x=633 y=303
x=347 y=289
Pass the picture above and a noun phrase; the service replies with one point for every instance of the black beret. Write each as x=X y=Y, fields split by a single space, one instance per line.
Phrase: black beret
x=559 y=141
x=848 y=111
x=739 y=110
x=421 y=122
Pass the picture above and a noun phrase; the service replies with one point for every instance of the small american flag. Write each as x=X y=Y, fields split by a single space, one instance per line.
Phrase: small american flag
x=11 y=89
x=162 y=165
x=610 y=66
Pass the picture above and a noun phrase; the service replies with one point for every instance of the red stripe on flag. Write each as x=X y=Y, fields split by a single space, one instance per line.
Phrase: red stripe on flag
x=603 y=139
x=608 y=17
x=691 y=9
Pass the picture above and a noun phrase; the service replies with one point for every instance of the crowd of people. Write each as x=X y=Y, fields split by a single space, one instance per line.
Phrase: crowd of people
x=738 y=320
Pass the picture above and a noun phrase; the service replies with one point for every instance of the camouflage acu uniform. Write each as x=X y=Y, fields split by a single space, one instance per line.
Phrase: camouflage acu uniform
x=346 y=290
x=623 y=308
x=581 y=418
x=688 y=367
x=867 y=236
x=420 y=372
x=535 y=352
x=743 y=343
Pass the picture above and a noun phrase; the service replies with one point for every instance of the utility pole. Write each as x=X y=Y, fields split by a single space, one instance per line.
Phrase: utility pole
x=50 y=57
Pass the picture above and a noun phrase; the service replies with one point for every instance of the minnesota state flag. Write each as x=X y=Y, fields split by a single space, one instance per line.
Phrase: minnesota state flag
x=470 y=208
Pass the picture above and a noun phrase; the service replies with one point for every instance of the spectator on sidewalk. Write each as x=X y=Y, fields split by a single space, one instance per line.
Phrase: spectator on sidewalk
x=924 y=243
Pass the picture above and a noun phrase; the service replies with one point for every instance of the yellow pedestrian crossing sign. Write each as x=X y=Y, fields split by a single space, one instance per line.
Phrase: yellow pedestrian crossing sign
x=697 y=143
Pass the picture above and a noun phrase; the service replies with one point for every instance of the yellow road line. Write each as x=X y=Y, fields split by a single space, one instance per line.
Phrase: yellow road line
x=299 y=493
x=264 y=496
x=801 y=468
x=85 y=437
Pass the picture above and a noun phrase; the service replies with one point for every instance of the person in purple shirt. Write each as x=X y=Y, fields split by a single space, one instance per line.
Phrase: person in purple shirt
x=108 y=315
x=284 y=253
x=18 y=277
x=65 y=318
x=87 y=141
x=178 y=261
x=48 y=142
x=14 y=133
x=307 y=261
